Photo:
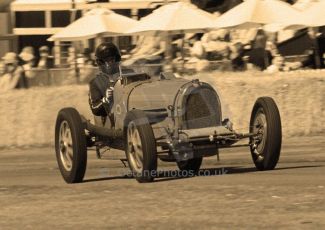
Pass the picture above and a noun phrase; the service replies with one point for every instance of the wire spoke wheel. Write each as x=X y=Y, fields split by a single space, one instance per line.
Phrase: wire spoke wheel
x=66 y=152
x=70 y=145
x=265 y=123
x=135 y=147
x=141 y=150
x=260 y=128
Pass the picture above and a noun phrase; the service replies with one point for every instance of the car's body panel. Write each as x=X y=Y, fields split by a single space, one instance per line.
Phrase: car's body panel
x=148 y=95
x=172 y=106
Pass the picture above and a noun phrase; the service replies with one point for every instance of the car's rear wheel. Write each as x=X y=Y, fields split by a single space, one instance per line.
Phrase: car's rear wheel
x=266 y=124
x=191 y=166
x=141 y=150
x=70 y=145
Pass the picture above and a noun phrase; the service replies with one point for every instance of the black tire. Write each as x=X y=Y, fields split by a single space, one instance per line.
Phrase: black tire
x=191 y=166
x=145 y=169
x=69 y=128
x=266 y=150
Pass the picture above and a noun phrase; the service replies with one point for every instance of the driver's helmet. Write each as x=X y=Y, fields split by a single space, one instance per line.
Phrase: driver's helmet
x=108 y=57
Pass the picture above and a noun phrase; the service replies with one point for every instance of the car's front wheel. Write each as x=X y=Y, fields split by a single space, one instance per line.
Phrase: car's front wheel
x=141 y=150
x=265 y=123
x=70 y=145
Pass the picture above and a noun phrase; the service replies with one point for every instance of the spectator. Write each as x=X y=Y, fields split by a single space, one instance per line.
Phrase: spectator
x=258 y=55
x=84 y=59
x=198 y=50
x=149 y=49
x=216 y=44
x=88 y=61
x=309 y=61
x=271 y=49
x=315 y=57
x=26 y=53
x=80 y=60
x=28 y=61
x=13 y=77
x=85 y=64
x=72 y=57
x=278 y=64
x=226 y=63
x=2 y=68
x=45 y=61
x=236 y=56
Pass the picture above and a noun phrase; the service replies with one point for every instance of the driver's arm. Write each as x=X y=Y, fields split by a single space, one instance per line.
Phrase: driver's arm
x=95 y=101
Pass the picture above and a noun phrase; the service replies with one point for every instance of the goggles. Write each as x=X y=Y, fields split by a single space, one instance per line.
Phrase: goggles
x=109 y=60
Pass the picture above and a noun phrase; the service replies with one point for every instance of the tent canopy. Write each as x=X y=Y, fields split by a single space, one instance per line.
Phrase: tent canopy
x=254 y=13
x=313 y=16
x=96 y=22
x=175 y=18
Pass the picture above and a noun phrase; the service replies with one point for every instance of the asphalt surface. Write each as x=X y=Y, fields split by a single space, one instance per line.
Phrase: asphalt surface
x=229 y=194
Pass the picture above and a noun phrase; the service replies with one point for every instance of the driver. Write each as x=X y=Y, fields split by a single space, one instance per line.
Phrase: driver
x=108 y=59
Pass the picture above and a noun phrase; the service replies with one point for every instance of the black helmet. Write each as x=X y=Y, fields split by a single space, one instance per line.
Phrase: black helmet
x=106 y=50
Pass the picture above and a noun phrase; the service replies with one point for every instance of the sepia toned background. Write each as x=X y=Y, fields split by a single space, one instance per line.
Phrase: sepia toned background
x=242 y=63
x=29 y=25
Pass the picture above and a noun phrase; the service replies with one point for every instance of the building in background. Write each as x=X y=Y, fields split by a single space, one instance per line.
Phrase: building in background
x=225 y=5
x=32 y=22
x=8 y=40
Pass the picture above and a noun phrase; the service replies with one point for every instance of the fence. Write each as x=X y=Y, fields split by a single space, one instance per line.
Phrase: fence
x=60 y=76
x=65 y=76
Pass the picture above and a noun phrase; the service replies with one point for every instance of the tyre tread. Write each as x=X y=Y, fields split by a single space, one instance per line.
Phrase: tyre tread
x=73 y=118
x=274 y=133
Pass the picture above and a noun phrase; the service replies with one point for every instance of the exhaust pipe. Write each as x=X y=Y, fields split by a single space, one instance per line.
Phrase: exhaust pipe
x=101 y=131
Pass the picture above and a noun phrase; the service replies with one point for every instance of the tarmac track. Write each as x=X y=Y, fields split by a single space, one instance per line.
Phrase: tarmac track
x=33 y=194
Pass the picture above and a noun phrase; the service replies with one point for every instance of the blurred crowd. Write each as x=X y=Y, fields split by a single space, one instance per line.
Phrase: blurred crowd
x=226 y=50
x=16 y=70
x=223 y=50
x=21 y=70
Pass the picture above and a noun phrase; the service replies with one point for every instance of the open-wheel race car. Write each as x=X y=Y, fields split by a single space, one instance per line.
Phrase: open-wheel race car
x=166 y=118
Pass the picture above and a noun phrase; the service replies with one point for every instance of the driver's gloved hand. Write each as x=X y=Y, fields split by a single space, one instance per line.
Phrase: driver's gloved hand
x=108 y=95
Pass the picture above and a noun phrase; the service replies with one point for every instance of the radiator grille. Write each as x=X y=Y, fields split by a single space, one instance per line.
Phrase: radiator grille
x=202 y=109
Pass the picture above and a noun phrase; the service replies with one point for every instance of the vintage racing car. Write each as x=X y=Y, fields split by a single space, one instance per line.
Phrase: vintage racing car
x=166 y=118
